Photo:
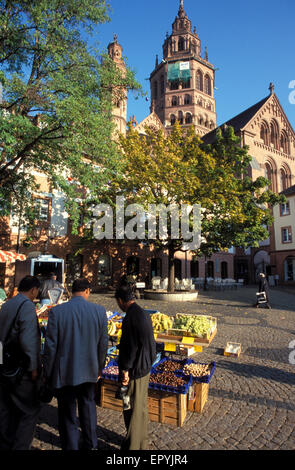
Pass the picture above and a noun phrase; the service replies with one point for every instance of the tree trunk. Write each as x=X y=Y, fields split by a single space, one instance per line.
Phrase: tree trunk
x=171 y=269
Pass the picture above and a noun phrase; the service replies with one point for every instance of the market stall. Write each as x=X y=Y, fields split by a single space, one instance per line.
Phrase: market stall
x=178 y=384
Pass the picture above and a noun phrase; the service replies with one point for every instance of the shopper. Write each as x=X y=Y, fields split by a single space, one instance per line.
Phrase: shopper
x=19 y=405
x=137 y=352
x=50 y=283
x=74 y=356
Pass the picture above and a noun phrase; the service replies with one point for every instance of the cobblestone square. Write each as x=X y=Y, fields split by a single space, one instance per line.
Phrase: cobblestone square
x=251 y=401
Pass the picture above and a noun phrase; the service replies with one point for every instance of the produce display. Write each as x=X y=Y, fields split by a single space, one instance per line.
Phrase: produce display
x=197 y=370
x=169 y=366
x=201 y=326
x=111 y=370
x=167 y=378
x=161 y=322
x=115 y=329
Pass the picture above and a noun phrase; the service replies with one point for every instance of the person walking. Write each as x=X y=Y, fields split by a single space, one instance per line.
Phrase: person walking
x=19 y=404
x=263 y=287
x=137 y=353
x=74 y=355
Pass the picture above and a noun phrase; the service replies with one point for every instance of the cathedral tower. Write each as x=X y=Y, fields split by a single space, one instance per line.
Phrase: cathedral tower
x=182 y=85
x=120 y=96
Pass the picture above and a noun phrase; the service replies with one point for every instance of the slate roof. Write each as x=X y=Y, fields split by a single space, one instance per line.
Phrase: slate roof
x=289 y=191
x=238 y=122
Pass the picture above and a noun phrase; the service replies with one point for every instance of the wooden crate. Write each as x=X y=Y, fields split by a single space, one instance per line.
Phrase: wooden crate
x=197 y=397
x=232 y=349
x=163 y=407
x=167 y=408
x=108 y=398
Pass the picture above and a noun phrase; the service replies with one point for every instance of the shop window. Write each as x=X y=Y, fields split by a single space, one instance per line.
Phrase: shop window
x=177 y=268
x=156 y=267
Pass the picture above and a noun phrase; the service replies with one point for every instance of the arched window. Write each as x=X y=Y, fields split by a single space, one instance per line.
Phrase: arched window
x=207 y=85
x=172 y=119
x=199 y=80
x=187 y=99
x=188 y=118
x=264 y=133
x=224 y=271
x=283 y=180
x=201 y=121
x=211 y=125
x=284 y=142
x=274 y=134
x=269 y=174
x=156 y=267
x=194 y=268
x=177 y=268
x=181 y=44
x=210 y=269
x=180 y=117
x=175 y=100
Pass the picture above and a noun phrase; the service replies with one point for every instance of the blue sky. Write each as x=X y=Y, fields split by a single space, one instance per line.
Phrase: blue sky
x=251 y=42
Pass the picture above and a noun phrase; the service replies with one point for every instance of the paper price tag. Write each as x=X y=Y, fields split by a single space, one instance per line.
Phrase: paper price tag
x=188 y=340
x=155 y=335
x=170 y=347
x=198 y=348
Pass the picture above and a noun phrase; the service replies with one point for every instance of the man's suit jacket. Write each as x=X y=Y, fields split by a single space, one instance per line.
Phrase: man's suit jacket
x=27 y=328
x=76 y=343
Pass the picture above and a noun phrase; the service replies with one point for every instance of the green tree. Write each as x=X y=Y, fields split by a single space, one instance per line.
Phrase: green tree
x=178 y=168
x=58 y=93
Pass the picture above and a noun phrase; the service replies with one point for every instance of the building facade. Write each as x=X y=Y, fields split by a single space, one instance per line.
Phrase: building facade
x=182 y=88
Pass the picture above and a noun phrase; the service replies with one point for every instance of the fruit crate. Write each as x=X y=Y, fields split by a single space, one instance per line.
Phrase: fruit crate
x=197 y=397
x=167 y=408
x=163 y=407
x=232 y=349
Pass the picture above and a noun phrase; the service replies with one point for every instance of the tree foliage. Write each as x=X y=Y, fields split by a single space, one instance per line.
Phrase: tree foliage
x=179 y=168
x=58 y=93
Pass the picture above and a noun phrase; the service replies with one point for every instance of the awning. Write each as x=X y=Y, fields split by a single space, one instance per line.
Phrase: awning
x=11 y=257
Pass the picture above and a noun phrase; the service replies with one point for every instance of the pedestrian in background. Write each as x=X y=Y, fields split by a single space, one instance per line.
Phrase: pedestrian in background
x=137 y=353
x=19 y=404
x=74 y=356
x=263 y=287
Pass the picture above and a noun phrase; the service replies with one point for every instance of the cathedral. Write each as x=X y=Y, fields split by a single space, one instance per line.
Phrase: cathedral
x=182 y=89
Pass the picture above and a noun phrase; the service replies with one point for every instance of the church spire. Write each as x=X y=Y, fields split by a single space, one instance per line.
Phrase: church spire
x=181 y=12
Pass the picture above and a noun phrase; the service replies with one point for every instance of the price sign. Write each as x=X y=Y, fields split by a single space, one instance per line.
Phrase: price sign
x=188 y=340
x=198 y=348
x=170 y=347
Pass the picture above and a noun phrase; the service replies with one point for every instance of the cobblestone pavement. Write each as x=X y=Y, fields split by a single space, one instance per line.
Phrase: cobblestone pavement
x=251 y=401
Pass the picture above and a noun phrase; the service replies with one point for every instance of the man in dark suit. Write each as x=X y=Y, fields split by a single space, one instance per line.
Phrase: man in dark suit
x=137 y=352
x=74 y=356
x=19 y=406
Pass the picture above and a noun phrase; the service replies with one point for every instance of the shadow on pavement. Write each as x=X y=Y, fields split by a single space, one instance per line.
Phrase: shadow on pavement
x=253 y=370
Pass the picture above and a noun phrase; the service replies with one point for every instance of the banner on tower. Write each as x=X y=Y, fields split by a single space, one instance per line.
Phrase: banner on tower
x=179 y=71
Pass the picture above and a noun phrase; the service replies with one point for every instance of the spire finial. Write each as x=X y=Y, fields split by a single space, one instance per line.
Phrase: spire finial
x=115 y=37
x=271 y=88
